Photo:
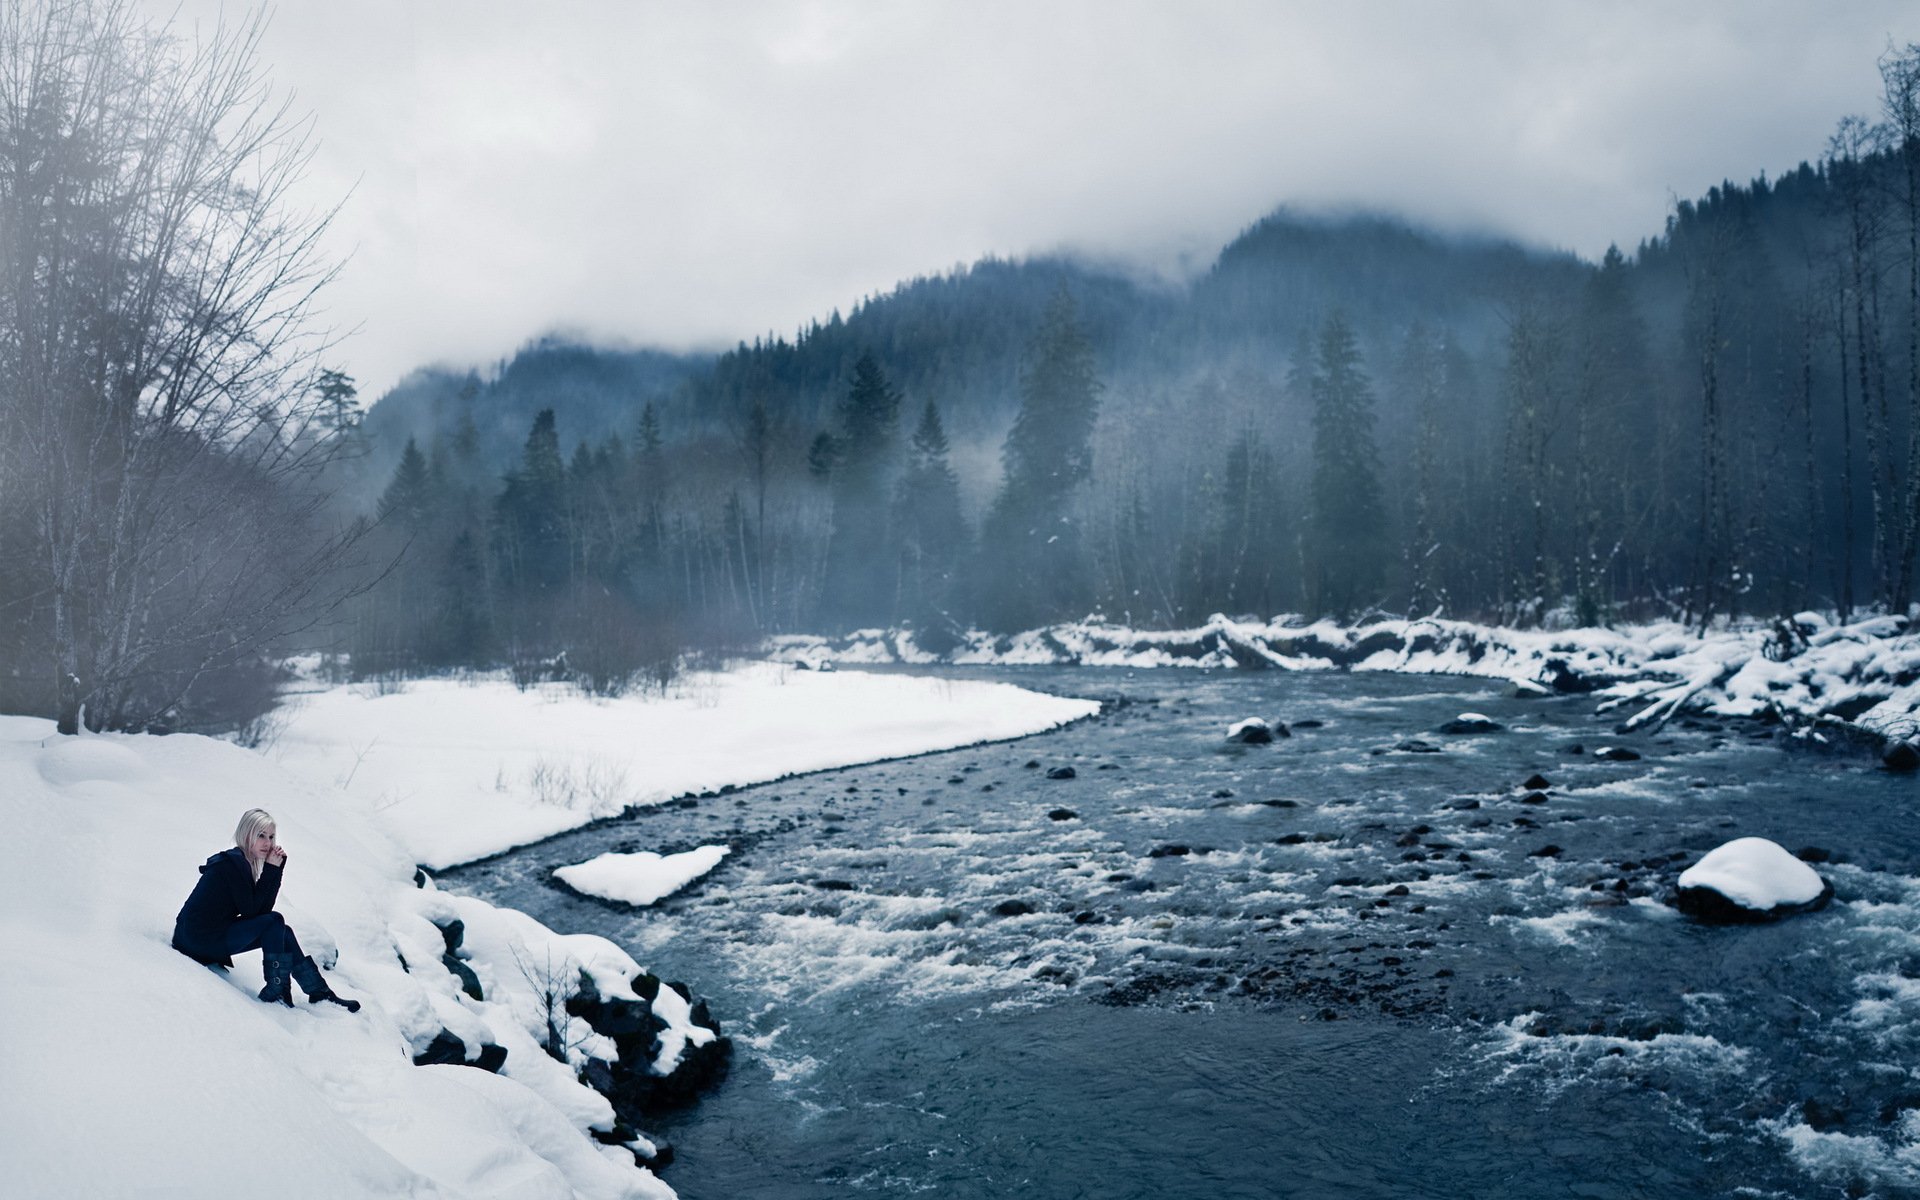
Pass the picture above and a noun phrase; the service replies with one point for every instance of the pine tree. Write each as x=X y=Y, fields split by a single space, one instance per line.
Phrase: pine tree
x=931 y=532
x=461 y=631
x=858 y=588
x=1033 y=563
x=409 y=501
x=1347 y=521
x=532 y=513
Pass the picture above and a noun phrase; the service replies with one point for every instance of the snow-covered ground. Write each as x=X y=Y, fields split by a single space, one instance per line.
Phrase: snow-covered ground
x=1865 y=673
x=462 y=769
x=128 y=1069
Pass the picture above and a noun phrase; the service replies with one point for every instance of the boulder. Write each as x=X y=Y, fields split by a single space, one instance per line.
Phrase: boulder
x=1902 y=756
x=1416 y=746
x=1536 y=783
x=1469 y=722
x=1617 y=754
x=633 y=1027
x=446 y=1048
x=1061 y=773
x=469 y=982
x=1062 y=814
x=1563 y=680
x=1251 y=732
x=1749 y=880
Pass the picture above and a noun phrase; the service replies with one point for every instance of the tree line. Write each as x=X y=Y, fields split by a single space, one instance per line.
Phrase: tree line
x=606 y=565
x=1721 y=424
x=1340 y=418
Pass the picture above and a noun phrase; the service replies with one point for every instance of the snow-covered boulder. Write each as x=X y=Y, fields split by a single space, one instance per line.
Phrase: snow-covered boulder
x=1751 y=879
x=1471 y=722
x=1255 y=731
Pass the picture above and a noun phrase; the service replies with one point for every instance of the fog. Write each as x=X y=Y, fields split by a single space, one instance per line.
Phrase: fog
x=690 y=175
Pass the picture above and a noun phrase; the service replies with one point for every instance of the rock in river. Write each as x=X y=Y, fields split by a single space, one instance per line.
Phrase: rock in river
x=1470 y=723
x=1748 y=880
x=1254 y=731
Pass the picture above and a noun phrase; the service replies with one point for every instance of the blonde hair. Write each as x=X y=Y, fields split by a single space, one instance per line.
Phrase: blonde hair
x=251 y=822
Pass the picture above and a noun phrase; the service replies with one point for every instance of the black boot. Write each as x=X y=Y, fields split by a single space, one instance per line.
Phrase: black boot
x=278 y=968
x=306 y=973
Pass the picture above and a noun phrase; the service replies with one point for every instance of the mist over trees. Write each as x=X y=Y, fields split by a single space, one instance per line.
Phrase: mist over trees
x=1343 y=416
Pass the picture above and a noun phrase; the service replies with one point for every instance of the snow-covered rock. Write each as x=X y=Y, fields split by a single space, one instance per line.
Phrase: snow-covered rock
x=1750 y=879
x=1470 y=722
x=1254 y=731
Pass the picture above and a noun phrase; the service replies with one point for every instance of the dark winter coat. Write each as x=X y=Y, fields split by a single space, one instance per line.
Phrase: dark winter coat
x=227 y=892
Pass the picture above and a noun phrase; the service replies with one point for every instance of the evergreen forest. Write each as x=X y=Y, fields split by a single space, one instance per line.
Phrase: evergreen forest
x=1345 y=415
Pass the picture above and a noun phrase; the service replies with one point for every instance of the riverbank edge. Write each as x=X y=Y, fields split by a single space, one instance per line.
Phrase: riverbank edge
x=1823 y=679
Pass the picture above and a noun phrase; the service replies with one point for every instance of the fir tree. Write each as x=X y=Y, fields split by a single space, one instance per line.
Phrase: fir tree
x=932 y=534
x=532 y=512
x=858 y=587
x=409 y=500
x=1031 y=546
x=1347 y=522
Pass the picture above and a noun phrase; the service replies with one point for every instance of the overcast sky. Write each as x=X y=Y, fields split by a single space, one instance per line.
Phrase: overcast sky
x=691 y=174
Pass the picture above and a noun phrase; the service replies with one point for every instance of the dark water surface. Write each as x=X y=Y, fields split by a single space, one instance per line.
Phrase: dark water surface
x=1300 y=970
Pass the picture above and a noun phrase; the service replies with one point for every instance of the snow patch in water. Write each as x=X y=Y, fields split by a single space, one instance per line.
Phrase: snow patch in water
x=640 y=879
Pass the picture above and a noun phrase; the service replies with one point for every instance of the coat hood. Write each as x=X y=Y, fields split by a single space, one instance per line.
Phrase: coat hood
x=233 y=852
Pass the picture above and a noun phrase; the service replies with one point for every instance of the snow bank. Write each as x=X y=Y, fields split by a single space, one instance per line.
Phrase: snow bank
x=462 y=770
x=1756 y=875
x=1865 y=673
x=132 y=1070
x=639 y=879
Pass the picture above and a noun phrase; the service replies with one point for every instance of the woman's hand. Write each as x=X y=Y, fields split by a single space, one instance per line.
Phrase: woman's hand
x=277 y=856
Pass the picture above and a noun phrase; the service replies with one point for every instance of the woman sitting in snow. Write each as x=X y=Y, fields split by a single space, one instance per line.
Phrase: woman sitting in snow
x=231 y=910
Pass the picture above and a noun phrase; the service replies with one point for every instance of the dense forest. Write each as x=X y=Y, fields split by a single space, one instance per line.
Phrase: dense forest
x=1342 y=416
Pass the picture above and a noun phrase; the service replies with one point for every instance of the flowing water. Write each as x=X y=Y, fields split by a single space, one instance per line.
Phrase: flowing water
x=1326 y=967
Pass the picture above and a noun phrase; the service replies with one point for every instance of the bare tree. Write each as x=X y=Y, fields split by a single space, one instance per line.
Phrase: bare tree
x=159 y=360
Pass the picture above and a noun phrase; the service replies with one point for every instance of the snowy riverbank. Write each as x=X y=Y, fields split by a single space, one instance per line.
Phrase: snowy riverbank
x=459 y=770
x=1864 y=674
x=132 y=1070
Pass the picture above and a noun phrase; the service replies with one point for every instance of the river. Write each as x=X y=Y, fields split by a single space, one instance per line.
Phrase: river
x=1326 y=967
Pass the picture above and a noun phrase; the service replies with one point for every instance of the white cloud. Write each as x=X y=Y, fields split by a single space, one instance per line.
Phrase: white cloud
x=694 y=174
